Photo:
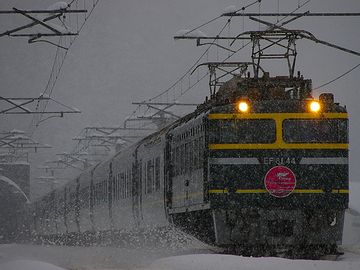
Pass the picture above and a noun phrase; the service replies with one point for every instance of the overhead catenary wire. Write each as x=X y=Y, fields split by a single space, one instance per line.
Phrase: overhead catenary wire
x=58 y=62
x=180 y=79
x=199 y=59
x=214 y=41
x=337 y=78
x=228 y=57
x=218 y=17
x=190 y=70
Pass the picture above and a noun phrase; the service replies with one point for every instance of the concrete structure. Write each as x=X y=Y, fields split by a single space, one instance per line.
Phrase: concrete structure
x=14 y=194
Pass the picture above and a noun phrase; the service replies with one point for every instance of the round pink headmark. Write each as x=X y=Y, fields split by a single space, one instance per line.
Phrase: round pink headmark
x=280 y=181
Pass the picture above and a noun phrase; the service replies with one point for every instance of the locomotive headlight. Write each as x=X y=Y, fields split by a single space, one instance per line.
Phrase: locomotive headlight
x=315 y=106
x=243 y=106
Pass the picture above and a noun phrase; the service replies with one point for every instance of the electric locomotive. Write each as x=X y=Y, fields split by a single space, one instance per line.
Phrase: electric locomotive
x=260 y=166
x=275 y=168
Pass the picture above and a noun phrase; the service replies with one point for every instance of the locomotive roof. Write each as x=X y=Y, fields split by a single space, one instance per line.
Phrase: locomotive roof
x=266 y=94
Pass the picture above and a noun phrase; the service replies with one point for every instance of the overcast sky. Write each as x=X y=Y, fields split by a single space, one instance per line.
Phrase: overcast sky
x=126 y=53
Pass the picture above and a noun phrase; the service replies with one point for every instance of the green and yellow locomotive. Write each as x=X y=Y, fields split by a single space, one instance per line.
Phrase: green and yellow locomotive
x=275 y=168
x=259 y=167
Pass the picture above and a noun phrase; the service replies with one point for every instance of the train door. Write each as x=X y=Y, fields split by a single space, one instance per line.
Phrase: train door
x=135 y=189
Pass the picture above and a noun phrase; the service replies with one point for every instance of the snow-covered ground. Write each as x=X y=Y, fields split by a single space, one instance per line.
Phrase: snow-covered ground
x=192 y=255
x=351 y=238
x=101 y=259
x=84 y=258
x=189 y=254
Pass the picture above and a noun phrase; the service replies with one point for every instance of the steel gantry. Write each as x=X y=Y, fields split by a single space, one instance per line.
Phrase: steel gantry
x=15 y=145
x=56 y=12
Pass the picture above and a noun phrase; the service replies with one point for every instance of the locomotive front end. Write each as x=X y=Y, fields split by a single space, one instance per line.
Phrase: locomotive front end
x=278 y=167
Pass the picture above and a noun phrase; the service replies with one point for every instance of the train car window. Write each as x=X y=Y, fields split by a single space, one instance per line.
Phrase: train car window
x=150 y=172
x=127 y=183
x=173 y=156
x=194 y=154
x=145 y=177
x=242 y=131
x=113 y=185
x=315 y=130
x=116 y=187
x=157 y=173
x=84 y=197
x=105 y=191
x=119 y=186
x=98 y=193
x=122 y=185
x=191 y=155
x=177 y=161
x=201 y=151
x=130 y=182
x=140 y=175
x=186 y=158
x=101 y=193
x=182 y=159
x=95 y=194
x=98 y=196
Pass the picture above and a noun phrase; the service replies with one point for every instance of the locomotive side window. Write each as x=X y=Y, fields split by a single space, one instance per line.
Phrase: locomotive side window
x=242 y=131
x=315 y=130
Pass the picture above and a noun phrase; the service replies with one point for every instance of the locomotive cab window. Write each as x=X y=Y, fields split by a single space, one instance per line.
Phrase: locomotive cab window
x=242 y=131
x=315 y=130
